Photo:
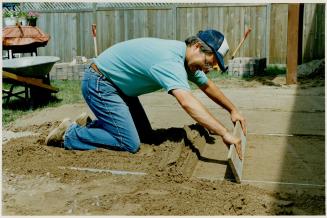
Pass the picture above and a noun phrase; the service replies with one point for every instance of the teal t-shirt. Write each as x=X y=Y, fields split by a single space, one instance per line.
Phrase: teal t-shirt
x=144 y=65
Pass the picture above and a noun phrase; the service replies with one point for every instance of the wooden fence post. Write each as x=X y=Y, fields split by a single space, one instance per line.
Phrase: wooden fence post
x=292 y=43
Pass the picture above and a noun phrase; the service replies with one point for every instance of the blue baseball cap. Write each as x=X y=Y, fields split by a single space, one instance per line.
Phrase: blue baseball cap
x=218 y=44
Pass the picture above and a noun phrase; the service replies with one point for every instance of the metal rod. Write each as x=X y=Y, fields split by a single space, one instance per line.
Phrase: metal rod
x=114 y=172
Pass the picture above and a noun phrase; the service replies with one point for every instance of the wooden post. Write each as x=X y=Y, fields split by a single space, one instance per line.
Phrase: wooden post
x=292 y=43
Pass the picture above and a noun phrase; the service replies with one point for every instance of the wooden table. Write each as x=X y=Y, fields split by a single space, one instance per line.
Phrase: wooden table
x=23 y=39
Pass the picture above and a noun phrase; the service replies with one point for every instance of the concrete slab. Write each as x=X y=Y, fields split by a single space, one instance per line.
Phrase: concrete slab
x=279 y=122
x=271 y=162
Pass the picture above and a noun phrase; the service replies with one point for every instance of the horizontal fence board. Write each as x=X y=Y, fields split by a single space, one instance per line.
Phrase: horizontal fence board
x=70 y=29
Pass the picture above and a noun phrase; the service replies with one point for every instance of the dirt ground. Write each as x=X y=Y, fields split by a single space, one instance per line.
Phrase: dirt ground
x=184 y=171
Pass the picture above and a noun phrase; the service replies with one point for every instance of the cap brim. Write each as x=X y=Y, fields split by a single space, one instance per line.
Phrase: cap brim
x=220 y=61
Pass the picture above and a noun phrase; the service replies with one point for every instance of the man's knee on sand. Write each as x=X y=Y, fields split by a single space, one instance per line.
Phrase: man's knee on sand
x=132 y=145
x=135 y=149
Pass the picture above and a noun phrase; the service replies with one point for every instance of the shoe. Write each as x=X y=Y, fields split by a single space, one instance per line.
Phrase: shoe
x=56 y=136
x=83 y=119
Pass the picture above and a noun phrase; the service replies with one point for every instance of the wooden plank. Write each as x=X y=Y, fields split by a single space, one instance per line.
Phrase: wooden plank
x=119 y=23
x=278 y=28
x=130 y=21
x=253 y=41
x=144 y=23
x=261 y=30
x=169 y=23
x=320 y=32
x=29 y=81
x=229 y=28
x=247 y=24
x=267 y=37
x=204 y=16
x=78 y=36
x=74 y=38
x=157 y=24
x=311 y=29
x=242 y=28
x=212 y=13
x=86 y=43
x=189 y=22
x=162 y=23
x=221 y=21
x=174 y=22
x=313 y=32
x=109 y=35
x=181 y=23
x=292 y=43
x=233 y=159
x=151 y=19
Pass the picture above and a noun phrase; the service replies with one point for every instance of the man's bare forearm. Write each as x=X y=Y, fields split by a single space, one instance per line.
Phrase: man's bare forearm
x=198 y=112
x=215 y=94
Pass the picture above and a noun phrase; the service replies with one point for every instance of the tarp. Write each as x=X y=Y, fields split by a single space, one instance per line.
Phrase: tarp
x=23 y=35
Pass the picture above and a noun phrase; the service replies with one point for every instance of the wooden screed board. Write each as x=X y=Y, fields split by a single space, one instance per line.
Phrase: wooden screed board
x=233 y=159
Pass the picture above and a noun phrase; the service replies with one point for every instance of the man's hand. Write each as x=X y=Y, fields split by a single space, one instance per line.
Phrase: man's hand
x=229 y=139
x=236 y=116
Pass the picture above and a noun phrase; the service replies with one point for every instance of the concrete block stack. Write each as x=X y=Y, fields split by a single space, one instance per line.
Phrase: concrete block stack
x=68 y=71
x=246 y=66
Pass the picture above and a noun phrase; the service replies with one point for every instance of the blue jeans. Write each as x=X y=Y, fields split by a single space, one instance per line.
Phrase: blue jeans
x=120 y=119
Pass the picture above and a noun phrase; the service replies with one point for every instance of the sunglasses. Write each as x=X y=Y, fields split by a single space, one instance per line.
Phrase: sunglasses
x=208 y=66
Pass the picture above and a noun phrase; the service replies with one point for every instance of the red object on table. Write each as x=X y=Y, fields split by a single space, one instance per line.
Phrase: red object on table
x=23 y=39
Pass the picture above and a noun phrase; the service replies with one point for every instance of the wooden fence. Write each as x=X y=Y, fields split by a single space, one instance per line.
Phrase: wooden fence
x=70 y=31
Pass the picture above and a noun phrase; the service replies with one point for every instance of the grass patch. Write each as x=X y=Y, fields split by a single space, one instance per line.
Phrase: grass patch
x=215 y=76
x=70 y=92
x=275 y=70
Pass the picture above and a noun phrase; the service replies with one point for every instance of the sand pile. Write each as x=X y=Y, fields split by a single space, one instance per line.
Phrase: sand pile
x=42 y=180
